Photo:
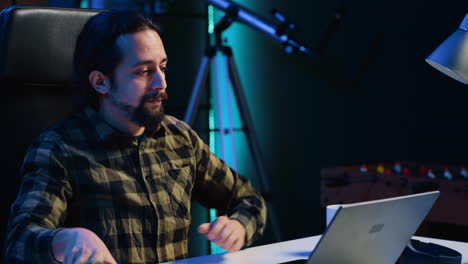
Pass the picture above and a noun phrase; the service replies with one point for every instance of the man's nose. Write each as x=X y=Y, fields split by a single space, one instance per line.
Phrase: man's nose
x=159 y=81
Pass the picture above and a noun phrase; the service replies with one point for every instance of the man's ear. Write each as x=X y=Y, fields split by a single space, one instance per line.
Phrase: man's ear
x=100 y=82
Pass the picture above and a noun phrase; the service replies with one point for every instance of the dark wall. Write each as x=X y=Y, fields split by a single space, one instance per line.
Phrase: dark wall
x=370 y=98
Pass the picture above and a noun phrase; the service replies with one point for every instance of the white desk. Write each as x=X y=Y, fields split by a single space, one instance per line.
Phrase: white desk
x=292 y=250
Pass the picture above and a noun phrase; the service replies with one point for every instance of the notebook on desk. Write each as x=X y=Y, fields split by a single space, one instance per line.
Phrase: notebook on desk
x=372 y=232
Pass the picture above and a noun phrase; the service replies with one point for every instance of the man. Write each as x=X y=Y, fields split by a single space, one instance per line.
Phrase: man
x=114 y=181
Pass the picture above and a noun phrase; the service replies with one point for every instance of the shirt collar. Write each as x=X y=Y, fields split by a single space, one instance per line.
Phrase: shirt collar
x=108 y=135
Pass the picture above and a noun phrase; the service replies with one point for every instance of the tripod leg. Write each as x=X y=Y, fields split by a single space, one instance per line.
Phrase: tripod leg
x=229 y=127
x=219 y=102
x=195 y=97
x=251 y=136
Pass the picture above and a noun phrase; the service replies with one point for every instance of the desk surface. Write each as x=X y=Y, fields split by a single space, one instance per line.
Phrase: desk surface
x=293 y=250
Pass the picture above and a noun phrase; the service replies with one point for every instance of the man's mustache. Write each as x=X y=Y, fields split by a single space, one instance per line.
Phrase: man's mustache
x=155 y=94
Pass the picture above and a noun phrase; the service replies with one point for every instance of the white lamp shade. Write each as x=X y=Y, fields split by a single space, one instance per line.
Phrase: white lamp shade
x=451 y=57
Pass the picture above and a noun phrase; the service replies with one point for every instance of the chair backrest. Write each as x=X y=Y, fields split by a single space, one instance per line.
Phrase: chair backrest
x=36 y=54
x=37 y=44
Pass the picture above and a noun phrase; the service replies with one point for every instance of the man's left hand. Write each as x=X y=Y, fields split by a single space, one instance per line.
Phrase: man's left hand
x=226 y=233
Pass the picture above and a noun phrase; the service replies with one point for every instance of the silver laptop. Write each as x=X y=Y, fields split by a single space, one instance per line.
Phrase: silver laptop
x=374 y=232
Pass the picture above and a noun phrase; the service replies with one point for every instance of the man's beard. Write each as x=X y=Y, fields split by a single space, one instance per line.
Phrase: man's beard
x=142 y=116
x=150 y=119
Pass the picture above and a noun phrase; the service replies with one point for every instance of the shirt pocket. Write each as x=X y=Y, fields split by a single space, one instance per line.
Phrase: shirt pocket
x=180 y=185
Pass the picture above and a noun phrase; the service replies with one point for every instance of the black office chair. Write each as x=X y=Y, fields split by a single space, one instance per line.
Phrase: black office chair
x=36 y=52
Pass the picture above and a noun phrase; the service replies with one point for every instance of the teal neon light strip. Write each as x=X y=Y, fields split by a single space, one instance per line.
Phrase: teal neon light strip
x=214 y=249
x=210 y=19
x=84 y=4
x=211 y=124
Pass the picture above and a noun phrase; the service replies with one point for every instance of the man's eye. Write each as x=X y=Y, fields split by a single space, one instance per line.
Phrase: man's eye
x=164 y=69
x=143 y=72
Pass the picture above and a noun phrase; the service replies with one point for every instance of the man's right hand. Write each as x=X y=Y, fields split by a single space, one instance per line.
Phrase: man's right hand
x=80 y=245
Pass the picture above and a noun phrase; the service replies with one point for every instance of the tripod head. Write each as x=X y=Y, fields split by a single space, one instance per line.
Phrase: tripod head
x=223 y=24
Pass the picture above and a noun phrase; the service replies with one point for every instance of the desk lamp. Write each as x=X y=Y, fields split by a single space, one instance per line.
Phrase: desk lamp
x=451 y=57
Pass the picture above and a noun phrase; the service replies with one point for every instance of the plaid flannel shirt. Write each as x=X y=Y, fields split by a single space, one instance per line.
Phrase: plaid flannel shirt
x=133 y=193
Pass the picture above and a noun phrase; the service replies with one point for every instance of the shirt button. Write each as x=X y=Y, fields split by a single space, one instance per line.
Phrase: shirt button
x=148 y=178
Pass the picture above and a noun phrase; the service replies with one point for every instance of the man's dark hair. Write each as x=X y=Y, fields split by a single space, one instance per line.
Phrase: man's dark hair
x=97 y=49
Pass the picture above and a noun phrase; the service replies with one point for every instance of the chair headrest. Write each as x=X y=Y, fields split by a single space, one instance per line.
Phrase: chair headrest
x=37 y=43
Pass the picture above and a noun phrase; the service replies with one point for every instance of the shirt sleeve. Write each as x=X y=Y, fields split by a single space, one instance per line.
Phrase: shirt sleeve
x=218 y=186
x=40 y=206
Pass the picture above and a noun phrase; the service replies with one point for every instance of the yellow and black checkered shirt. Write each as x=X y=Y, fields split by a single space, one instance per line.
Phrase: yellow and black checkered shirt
x=134 y=193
